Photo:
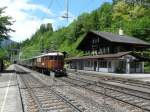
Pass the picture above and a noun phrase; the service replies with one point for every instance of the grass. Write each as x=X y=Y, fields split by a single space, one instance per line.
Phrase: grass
x=147 y=69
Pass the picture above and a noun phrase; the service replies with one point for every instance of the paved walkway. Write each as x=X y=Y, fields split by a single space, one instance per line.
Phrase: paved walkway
x=138 y=76
x=9 y=93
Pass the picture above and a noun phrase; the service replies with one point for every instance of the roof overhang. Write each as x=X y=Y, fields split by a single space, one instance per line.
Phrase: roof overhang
x=119 y=56
x=104 y=56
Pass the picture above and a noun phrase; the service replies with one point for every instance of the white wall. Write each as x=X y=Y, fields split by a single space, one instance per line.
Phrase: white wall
x=103 y=70
x=88 y=68
x=114 y=65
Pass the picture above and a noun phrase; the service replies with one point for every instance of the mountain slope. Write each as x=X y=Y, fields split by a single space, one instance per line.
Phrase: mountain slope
x=7 y=42
x=133 y=19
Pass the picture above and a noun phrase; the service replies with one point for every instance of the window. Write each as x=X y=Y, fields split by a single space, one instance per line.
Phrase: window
x=38 y=59
x=134 y=65
x=60 y=57
x=50 y=58
x=108 y=50
x=87 y=63
x=109 y=64
x=103 y=64
x=55 y=58
x=104 y=50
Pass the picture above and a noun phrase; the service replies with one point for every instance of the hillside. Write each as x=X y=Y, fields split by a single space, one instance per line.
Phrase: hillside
x=134 y=19
x=7 y=42
x=5 y=46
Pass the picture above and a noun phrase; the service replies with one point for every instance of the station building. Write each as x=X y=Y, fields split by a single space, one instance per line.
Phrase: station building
x=107 y=52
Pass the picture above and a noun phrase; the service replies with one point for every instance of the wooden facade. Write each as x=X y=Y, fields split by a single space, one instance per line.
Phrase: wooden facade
x=107 y=52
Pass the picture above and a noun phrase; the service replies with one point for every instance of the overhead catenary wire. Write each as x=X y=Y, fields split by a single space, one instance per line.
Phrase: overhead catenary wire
x=66 y=14
x=59 y=5
x=49 y=6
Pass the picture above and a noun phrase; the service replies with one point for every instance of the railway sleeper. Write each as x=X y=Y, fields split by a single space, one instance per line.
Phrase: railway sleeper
x=137 y=101
x=49 y=101
x=114 y=95
x=129 y=99
x=55 y=110
x=58 y=107
x=32 y=110
x=122 y=97
x=52 y=104
x=145 y=104
x=45 y=100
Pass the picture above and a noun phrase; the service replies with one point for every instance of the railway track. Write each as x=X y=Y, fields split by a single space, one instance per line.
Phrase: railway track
x=137 y=99
x=38 y=97
x=126 y=81
x=117 y=86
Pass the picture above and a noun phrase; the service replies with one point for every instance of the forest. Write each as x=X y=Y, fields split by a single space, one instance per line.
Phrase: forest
x=132 y=17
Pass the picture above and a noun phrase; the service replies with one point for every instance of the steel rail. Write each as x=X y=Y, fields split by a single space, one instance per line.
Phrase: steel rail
x=55 y=93
x=95 y=84
x=59 y=96
x=105 y=94
x=20 y=94
x=121 y=80
x=68 y=102
x=31 y=92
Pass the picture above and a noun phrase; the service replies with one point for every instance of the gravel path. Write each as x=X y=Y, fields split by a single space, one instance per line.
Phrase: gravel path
x=90 y=101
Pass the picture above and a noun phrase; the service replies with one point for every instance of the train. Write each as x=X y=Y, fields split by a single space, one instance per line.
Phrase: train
x=48 y=63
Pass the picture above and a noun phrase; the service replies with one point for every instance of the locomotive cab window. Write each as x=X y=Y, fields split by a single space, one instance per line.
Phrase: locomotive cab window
x=55 y=58
x=50 y=57
x=58 y=57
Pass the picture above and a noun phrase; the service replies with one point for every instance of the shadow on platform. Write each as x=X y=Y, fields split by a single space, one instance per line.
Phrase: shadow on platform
x=8 y=71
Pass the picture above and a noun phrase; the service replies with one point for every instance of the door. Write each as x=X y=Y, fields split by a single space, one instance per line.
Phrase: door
x=95 y=65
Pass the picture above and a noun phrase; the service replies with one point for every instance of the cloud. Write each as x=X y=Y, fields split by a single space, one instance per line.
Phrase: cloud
x=26 y=22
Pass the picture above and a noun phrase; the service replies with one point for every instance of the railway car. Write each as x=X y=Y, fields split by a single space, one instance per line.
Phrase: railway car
x=47 y=63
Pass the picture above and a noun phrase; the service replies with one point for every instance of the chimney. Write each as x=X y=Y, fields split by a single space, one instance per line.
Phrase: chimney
x=120 y=31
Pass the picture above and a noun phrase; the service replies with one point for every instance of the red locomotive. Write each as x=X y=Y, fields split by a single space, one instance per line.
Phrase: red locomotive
x=47 y=63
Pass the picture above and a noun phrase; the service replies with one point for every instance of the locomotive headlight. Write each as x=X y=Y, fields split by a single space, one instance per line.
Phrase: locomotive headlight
x=61 y=70
x=43 y=64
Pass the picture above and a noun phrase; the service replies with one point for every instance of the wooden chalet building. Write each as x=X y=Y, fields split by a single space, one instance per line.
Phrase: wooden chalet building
x=107 y=52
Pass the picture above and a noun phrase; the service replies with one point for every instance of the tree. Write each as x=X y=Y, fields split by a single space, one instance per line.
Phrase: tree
x=84 y=22
x=142 y=29
x=95 y=20
x=49 y=27
x=121 y=12
x=133 y=18
x=134 y=2
x=5 y=23
x=46 y=27
x=105 y=16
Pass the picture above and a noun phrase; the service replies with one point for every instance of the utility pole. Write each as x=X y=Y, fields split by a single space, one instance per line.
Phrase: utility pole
x=66 y=14
x=67 y=9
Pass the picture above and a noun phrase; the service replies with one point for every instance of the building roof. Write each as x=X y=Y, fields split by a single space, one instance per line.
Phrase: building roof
x=113 y=38
x=104 y=56
x=46 y=54
x=120 y=38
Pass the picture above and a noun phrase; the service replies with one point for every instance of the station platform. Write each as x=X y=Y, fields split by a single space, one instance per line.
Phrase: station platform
x=9 y=92
x=137 y=76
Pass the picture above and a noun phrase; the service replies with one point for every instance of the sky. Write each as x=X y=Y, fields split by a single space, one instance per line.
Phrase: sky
x=30 y=14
